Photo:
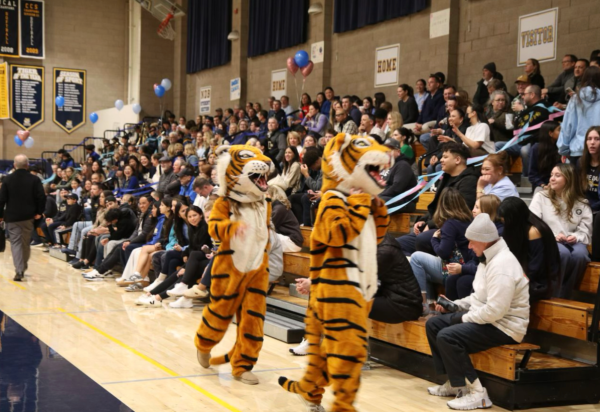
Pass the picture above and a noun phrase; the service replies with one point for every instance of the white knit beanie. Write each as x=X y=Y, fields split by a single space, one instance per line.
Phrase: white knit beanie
x=482 y=229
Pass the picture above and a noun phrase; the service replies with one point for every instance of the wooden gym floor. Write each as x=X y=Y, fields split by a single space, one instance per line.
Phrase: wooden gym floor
x=146 y=357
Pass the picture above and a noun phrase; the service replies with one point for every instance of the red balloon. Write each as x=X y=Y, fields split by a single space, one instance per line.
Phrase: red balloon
x=292 y=66
x=155 y=84
x=306 y=70
x=23 y=135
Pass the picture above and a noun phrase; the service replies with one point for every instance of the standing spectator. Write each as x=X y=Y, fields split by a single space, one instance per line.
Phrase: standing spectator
x=482 y=94
x=495 y=314
x=544 y=155
x=532 y=68
x=583 y=111
x=564 y=208
x=23 y=196
x=589 y=173
x=420 y=93
x=556 y=90
x=573 y=84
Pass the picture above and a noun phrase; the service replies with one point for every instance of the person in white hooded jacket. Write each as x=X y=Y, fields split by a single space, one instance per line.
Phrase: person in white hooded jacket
x=564 y=208
x=495 y=314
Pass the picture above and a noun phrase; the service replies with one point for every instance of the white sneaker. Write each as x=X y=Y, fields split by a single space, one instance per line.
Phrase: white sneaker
x=446 y=390
x=93 y=276
x=152 y=302
x=195 y=293
x=300 y=350
x=142 y=299
x=471 y=400
x=153 y=285
x=182 y=303
x=178 y=290
x=312 y=407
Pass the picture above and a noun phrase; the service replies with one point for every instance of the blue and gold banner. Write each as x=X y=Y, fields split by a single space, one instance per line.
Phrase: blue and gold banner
x=70 y=84
x=32 y=29
x=9 y=28
x=27 y=95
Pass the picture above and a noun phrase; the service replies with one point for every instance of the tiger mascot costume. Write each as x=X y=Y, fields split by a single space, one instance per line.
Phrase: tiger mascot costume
x=239 y=221
x=350 y=222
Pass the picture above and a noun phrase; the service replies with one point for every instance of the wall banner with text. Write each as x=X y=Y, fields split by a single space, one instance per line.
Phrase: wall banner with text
x=537 y=36
x=386 y=65
x=32 y=29
x=70 y=84
x=27 y=95
x=278 y=83
x=4 y=108
x=205 y=93
x=9 y=28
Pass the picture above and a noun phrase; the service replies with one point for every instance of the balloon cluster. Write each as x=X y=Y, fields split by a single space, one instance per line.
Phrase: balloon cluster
x=301 y=62
x=22 y=138
x=160 y=89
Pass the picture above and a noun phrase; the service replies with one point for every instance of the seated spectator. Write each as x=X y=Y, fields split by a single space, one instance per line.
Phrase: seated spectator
x=588 y=168
x=310 y=193
x=457 y=175
x=277 y=142
x=500 y=117
x=583 y=112
x=352 y=110
x=398 y=298
x=63 y=220
x=482 y=94
x=293 y=140
x=290 y=171
x=556 y=90
x=494 y=179
x=534 y=72
x=286 y=224
x=186 y=180
x=407 y=105
x=367 y=128
x=431 y=107
x=495 y=314
x=533 y=244
x=452 y=217
x=420 y=93
x=459 y=282
x=130 y=180
x=406 y=138
x=203 y=188
x=191 y=157
x=344 y=123
x=477 y=137
x=367 y=106
x=429 y=140
x=399 y=178
x=394 y=121
x=518 y=104
x=315 y=121
x=544 y=155
x=564 y=208
x=456 y=118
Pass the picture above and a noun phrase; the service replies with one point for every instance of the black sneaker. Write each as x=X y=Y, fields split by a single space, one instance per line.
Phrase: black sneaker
x=83 y=267
x=72 y=262
x=19 y=277
x=78 y=265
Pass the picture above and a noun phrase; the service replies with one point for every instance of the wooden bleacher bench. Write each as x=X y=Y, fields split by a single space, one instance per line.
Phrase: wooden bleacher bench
x=589 y=283
x=297 y=263
x=517 y=166
x=562 y=317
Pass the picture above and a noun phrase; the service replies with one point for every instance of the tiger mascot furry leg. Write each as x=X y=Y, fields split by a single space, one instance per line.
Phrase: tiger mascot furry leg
x=239 y=221
x=350 y=222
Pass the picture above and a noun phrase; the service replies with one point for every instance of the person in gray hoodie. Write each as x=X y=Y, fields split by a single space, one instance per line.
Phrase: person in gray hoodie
x=495 y=314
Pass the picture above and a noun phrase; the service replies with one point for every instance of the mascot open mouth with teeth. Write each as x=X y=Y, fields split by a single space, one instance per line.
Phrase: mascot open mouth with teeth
x=239 y=220
x=350 y=222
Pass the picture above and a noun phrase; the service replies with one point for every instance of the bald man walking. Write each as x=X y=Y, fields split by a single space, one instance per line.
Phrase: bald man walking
x=23 y=195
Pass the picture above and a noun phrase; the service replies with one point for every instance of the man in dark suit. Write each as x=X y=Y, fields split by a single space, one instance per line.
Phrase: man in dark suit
x=23 y=195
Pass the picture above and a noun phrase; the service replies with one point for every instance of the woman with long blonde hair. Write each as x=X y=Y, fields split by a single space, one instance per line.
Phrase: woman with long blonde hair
x=563 y=207
x=452 y=217
x=394 y=122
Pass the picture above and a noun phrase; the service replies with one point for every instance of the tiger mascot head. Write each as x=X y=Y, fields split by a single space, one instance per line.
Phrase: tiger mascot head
x=242 y=173
x=354 y=162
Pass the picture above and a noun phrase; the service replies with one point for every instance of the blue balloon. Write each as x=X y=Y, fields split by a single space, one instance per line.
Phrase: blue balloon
x=93 y=117
x=60 y=101
x=301 y=58
x=159 y=91
x=18 y=141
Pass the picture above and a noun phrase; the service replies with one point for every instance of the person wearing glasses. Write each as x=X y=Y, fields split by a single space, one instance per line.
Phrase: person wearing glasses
x=556 y=90
x=344 y=123
x=500 y=117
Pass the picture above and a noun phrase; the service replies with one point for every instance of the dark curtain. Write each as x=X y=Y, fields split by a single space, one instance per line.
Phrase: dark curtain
x=276 y=25
x=354 y=14
x=209 y=23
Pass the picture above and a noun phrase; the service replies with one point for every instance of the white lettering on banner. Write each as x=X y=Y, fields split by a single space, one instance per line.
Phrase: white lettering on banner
x=537 y=36
x=205 y=94
x=27 y=74
x=386 y=65
x=69 y=77
x=278 y=83
x=8 y=3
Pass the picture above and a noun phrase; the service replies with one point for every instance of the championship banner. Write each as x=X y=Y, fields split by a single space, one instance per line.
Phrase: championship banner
x=32 y=29
x=9 y=27
x=4 y=112
x=70 y=84
x=27 y=95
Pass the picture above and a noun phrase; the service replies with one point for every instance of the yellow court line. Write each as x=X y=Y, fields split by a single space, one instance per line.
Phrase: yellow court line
x=14 y=283
x=152 y=361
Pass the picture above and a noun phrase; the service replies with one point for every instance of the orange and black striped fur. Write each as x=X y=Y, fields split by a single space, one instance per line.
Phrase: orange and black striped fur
x=343 y=271
x=239 y=221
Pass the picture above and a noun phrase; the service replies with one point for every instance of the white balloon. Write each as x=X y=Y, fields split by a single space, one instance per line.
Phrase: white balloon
x=166 y=83
x=28 y=142
x=136 y=108
x=119 y=104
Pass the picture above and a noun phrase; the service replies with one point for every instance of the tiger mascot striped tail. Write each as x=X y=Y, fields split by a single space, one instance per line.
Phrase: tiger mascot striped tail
x=350 y=222
x=239 y=220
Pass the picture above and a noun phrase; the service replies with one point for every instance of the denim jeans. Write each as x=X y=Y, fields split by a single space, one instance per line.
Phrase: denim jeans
x=428 y=271
x=573 y=262
x=77 y=234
